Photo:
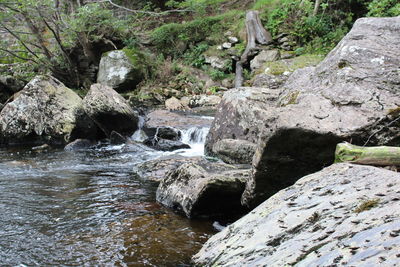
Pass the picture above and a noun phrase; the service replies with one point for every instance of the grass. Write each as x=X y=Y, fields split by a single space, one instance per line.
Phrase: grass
x=281 y=66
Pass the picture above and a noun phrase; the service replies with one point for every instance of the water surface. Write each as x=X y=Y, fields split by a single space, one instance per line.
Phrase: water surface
x=88 y=208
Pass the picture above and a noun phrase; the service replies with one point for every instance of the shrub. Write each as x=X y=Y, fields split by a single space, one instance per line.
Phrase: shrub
x=384 y=8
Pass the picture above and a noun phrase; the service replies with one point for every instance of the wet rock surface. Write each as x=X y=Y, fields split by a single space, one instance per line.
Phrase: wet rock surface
x=352 y=96
x=110 y=111
x=45 y=111
x=343 y=215
x=203 y=192
x=165 y=144
x=79 y=145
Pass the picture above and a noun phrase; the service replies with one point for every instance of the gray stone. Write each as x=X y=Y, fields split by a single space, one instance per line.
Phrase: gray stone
x=344 y=215
x=196 y=192
x=269 y=80
x=217 y=62
x=349 y=96
x=264 y=56
x=110 y=111
x=164 y=144
x=45 y=111
x=233 y=39
x=204 y=101
x=173 y=103
x=234 y=151
x=158 y=118
x=226 y=45
x=241 y=115
x=117 y=71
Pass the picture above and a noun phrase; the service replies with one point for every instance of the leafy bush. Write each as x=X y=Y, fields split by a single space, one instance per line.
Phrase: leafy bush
x=173 y=39
x=194 y=56
x=384 y=8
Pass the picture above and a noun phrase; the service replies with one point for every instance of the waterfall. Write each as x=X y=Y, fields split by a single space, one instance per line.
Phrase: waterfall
x=194 y=135
x=139 y=135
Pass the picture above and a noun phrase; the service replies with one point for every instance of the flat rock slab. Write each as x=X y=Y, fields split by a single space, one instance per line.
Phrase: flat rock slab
x=344 y=215
x=158 y=118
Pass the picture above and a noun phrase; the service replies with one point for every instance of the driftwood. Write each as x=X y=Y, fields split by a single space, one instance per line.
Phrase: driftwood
x=256 y=34
x=377 y=156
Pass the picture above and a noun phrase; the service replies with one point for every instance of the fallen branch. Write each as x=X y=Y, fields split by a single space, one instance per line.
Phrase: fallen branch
x=377 y=156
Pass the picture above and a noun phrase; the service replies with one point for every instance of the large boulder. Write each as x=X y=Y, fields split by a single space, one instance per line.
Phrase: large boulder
x=45 y=111
x=352 y=95
x=110 y=111
x=158 y=118
x=120 y=70
x=234 y=151
x=344 y=215
x=241 y=115
x=262 y=57
x=196 y=192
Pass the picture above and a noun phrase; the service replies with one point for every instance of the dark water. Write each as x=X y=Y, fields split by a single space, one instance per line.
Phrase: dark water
x=86 y=209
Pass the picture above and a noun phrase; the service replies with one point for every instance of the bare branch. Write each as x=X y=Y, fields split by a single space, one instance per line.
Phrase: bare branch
x=13 y=53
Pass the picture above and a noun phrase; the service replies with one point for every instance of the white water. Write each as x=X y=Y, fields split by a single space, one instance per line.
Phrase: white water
x=195 y=137
x=139 y=135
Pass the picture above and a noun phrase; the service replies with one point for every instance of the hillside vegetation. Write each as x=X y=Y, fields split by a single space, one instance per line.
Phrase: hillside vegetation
x=68 y=38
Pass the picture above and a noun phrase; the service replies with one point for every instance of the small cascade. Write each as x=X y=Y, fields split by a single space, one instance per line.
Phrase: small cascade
x=139 y=135
x=194 y=135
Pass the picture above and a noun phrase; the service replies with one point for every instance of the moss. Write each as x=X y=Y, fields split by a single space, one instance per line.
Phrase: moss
x=281 y=66
x=394 y=112
x=291 y=98
x=367 y=205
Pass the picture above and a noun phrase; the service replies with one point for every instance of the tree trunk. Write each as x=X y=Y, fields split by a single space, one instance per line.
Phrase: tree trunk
x=316 y=7
x=255 y=34
x=377 y=156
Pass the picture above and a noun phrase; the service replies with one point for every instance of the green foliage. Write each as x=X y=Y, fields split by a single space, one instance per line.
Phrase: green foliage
x=216 y=75
x=384 y=8
x=198 y=6
x=194 y=56
x=172 y=39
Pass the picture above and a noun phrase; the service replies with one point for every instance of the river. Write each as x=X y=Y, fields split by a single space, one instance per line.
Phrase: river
x=90 y=208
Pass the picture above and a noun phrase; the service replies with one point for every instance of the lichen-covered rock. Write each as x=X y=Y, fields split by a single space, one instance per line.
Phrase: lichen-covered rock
x=234 y=151
x=269 y=80
x=343 y=215
x=120 y=70
x=198 y=193
x=241 y=114
x=262 y=57
x=218 y=62
x=352 y=95
x=45 y=111
x=173 y=103
x=110 y=111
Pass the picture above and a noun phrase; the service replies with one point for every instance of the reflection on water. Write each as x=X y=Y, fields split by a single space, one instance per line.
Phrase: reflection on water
x=85 y=209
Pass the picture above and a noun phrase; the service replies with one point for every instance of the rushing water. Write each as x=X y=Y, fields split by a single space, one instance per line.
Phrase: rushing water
x=90 y=209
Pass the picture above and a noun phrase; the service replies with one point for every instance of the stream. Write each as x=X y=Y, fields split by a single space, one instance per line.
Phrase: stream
x=90 y=208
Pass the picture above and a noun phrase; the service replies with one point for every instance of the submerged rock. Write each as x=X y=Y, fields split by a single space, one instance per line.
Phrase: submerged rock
x=79 y=144
x=234 y=151
x=343 y=215
x=117 y=138
x=352 y=95
x=164 y=144
x=198 y=193
x=45 y=111
x=118 y=70
x=110 y=111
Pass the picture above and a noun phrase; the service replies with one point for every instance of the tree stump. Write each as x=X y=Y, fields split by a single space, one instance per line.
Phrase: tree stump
x=256 y=34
